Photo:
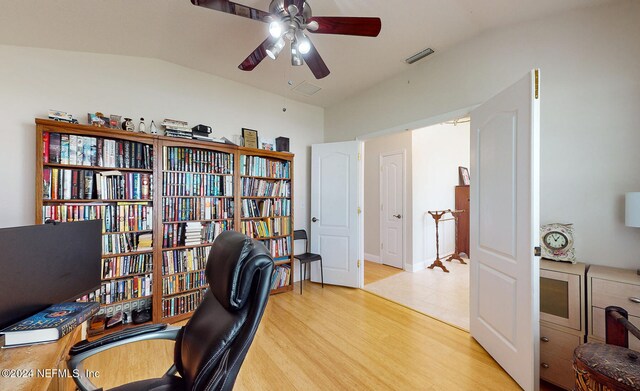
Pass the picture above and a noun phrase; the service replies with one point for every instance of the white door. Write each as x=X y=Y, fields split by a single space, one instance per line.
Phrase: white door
x=392 y=209
x=336 y=221
x=504 y=284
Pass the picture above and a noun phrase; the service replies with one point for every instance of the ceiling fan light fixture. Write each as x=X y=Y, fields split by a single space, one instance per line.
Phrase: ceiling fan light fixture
x=302 y=42
x=296 y=57
x=274 y=50
x=275 y=29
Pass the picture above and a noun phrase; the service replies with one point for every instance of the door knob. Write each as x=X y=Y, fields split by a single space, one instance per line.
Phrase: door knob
x=397 y=216
x=314 y=219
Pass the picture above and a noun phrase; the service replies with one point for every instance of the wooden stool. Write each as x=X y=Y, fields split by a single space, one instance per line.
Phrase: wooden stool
x=601 y=367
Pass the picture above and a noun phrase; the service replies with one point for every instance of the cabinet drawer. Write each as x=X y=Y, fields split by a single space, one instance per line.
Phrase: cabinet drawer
x=605 y=293
x=599 y=329
x=557 y=355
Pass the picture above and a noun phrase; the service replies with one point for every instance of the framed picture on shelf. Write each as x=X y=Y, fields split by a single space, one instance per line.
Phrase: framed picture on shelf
x=464 y=175
x=267 y=143
x=250 y=138
x=282 y=144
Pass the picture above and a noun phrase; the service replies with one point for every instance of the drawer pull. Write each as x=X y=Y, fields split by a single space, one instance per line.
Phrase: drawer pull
x=544 y=365
x=544 y=339
x=634 y=299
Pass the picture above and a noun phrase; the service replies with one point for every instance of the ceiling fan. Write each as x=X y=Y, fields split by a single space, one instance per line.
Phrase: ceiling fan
x=288 y=19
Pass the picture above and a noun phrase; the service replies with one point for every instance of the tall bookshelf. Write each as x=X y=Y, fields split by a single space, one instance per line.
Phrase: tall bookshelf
x=197 y=202
x=180 y=194
x=85 y=173
x=266 y=205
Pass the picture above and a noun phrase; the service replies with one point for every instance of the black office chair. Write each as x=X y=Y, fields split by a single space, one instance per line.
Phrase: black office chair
x=306 y=257
x=210 y=348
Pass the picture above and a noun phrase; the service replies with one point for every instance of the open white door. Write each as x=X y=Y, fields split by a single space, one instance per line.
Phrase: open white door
x=504 y=283
x=336 y=221
x=392 y=209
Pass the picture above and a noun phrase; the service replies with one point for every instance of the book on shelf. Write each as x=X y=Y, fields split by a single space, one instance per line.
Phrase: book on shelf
x=50 y=324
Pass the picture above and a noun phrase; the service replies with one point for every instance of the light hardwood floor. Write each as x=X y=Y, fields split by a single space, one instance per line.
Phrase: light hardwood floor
x=376 y=271
x=337 y=339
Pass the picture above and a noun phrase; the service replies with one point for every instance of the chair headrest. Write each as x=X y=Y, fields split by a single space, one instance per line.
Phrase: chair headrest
x=231 y=266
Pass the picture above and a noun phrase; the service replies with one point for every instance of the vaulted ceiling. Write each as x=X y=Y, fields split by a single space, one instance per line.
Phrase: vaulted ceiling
x=216 y=42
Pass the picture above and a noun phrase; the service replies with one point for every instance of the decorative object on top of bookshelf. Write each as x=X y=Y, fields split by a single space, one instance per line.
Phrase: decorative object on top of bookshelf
x=463 y=173
x=238 y=140
x=282 y=144
x=62 y=116
x=176 y=128
x=556 y=241
x=267 y=143
x=250 y=138
x=153 y=128
x=128 y=125
x=98 y=119
x=114 y=121
x=142 y=127
x=203 y=129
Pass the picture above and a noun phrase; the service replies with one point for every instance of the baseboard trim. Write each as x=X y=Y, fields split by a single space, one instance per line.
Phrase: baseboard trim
x=372 y=258
x=414 y=267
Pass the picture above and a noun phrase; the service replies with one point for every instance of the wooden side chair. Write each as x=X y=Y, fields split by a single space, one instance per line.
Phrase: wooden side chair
x=306 y=257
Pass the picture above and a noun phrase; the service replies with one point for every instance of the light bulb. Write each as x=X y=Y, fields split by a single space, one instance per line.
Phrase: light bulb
x=274 y=50
x=275 y=29
x=303 y=43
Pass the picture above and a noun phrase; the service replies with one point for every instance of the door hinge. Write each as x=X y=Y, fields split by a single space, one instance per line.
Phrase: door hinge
x=359 y=210
x=537 y=251
x=358 y=155
x=358 y=264
x=381 y=246
x=537 y=81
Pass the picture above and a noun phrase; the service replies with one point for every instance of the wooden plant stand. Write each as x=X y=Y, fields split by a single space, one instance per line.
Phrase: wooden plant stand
x=437 y=215
x=456 y=252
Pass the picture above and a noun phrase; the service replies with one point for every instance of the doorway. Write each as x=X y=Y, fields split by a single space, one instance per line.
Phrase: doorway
x=433 y=156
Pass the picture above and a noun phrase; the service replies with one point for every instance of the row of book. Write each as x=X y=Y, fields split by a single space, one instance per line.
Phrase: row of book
x=192 y=233
x=120 y=217
x=95 y=151
x=266 y=208
x=132 y=288
x=112 y=185
x=126 y=243
x=259 y=166
x=66 y=184
x=254 y=187
x=182 y=304
x=126 y=265
x=281 y=276
x=126 y=308
x=184 y=260
x=196 y=160
x=193 y=184
x=266 y=228
x=207 y=208
x=279 y=248
x=178 y=283
x=177 y=129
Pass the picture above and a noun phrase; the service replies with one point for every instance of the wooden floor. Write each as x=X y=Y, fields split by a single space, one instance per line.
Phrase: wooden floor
x=376 y=271
x=337 y=339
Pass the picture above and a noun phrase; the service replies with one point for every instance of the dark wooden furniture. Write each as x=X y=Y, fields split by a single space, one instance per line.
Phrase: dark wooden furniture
x=456 y=252
x=462 y=203
x=306 y=257
x=437 y=215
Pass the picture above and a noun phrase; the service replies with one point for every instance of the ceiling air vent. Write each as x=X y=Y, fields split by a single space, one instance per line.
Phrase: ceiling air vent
x=419 y=56
x=306 y=88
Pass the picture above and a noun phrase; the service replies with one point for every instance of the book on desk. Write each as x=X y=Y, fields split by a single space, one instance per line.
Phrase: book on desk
x=48 y=325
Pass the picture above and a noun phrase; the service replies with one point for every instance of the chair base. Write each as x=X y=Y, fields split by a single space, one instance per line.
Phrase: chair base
x=305 y=273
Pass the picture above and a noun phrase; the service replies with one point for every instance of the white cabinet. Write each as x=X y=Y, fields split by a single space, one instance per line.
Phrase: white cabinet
x=562 y=319
x=609 y=286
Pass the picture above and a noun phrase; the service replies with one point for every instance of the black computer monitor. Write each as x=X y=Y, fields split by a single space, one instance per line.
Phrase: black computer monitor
x=45 y=264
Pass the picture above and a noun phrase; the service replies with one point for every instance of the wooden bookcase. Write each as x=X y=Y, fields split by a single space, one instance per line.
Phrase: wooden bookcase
x=213 y=202
x=266 y=207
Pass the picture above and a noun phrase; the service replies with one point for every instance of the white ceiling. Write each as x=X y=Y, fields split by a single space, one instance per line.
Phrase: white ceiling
x=216 y=42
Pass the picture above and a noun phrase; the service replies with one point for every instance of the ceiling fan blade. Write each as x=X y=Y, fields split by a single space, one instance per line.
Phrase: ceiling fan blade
x=257 y=56
x=234 y=8
x=315 y=62
x=366 y=27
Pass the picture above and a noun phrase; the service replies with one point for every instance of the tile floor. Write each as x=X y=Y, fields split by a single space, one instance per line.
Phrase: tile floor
x=444 y=296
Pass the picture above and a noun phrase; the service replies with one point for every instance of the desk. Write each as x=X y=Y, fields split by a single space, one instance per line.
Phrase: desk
x=47 y=358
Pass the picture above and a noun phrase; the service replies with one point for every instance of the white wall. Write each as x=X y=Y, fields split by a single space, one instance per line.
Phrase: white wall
x=590 y=98
x=374 y=148
x=35 y=80
x=438 y=151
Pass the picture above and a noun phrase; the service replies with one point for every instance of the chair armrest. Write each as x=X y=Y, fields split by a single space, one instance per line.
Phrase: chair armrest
x=84 y=349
